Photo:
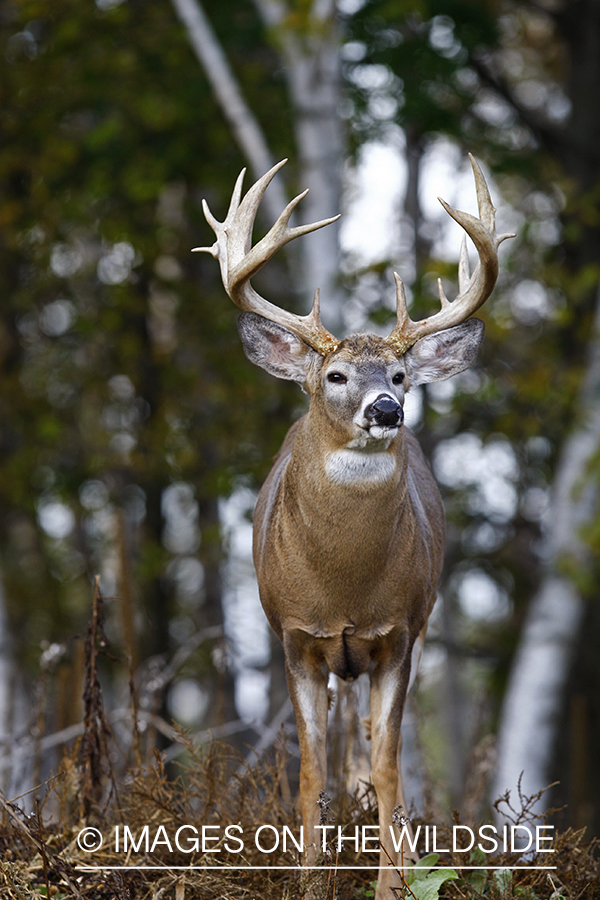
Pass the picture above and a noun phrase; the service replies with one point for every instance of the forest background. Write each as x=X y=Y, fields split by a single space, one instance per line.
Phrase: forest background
x=133 y=432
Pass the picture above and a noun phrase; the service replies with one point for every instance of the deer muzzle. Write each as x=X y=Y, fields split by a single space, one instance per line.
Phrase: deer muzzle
x=385 y=411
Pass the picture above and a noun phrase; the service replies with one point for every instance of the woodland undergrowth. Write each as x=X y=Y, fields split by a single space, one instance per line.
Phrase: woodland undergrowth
x=48 y=839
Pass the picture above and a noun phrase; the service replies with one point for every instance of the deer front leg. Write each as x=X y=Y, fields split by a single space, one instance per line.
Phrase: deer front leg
x=389 y=683
x=307 y=684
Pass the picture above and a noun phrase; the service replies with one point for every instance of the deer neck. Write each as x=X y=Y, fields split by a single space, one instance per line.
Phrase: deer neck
x=341 y=514
x=337 y=474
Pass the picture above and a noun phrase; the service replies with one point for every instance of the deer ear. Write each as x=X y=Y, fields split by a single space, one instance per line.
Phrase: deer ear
x=441 y=355
x=274 y=348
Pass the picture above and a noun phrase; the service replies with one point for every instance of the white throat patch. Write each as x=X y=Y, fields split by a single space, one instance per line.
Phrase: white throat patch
x=359 y=467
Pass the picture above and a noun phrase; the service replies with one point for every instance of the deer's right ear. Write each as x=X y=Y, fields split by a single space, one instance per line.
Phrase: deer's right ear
x=274 y=348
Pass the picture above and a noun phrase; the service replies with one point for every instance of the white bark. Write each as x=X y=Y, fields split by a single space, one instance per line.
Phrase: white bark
x=311 y=52
x=311 y=55
x=6 y=672
x=13 y=712
x=244 y=124
x=532 y=704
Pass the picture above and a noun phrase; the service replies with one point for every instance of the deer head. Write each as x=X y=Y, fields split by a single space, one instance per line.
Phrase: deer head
x=299 y=348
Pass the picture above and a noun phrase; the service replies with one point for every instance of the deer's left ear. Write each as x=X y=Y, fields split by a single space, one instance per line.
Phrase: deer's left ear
x=441 y=355
x=274 y=348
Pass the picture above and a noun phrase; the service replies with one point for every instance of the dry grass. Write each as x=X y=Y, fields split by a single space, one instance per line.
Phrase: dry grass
x=211 y=787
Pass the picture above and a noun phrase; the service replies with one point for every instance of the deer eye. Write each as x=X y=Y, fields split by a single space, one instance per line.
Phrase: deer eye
x=398 y=378
x=336 y=378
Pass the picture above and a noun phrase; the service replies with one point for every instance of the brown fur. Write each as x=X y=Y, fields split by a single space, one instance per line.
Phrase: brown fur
x=348 y=576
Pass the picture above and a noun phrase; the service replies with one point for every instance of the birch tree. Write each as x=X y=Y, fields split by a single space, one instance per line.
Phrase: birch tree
x=308 y=41
x=518 y=83
x=536 y=689
x=536 y=694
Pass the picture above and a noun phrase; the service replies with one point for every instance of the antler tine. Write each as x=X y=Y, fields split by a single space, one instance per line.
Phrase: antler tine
x=239 y=261
x=219 y=227
x=278 y=235
x=401 y=305
x=249 y=205
x=487 y=210
x=473 y=290
x=464 y=270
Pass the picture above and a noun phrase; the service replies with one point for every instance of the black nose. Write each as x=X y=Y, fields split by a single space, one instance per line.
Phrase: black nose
x=385 y=411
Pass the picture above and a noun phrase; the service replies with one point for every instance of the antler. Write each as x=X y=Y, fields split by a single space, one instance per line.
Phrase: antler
x=473 y=291
x=239 y=261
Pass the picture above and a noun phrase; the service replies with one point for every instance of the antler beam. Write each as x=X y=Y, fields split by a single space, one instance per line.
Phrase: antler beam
x=239 y=261
x=473 y=291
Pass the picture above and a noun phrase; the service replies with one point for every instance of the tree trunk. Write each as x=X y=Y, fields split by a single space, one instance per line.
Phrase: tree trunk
x=221 y=685
x=311 y=52
x=531 y=714
x=533 y=700
x=243 y=122
x=14 y=767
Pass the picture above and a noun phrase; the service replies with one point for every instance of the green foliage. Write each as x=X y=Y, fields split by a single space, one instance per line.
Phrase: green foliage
x=503 y=882
x=119 y=356
x=427 y=45
x=425 y=881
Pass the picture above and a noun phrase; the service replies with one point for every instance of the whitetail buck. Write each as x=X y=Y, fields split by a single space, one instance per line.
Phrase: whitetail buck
x=349 y=525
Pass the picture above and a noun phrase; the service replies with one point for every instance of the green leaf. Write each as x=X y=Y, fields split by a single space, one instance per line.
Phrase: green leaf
x=428 y=888
x=478 y=880
x=421 y=868
x=503 y=879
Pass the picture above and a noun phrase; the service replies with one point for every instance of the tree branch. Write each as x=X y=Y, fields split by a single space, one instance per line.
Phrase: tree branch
x=247 y=131
x=546 y=134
